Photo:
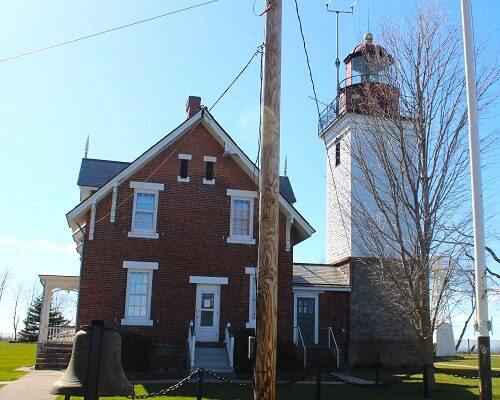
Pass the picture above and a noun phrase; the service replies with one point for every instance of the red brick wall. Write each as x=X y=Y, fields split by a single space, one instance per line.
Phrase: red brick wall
x=193 y=224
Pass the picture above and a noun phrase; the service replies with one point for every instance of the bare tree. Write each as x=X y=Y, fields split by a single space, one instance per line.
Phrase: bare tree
x=4 y=280
x=410 y=163
x=18 y=293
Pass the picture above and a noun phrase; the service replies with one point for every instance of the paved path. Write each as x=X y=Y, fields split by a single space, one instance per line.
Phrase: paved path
x=35 y=385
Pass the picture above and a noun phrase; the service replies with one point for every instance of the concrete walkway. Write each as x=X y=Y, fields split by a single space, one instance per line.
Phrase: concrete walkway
x=35 y=385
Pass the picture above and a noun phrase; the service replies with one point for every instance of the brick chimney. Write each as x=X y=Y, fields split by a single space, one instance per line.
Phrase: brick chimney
x=193 y=105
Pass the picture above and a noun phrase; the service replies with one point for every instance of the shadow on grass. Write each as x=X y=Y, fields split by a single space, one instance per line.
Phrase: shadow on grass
x=412 y=389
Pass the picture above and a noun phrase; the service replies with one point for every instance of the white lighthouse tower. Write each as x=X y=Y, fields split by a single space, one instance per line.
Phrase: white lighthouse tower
x=366 y=109
x=362 y=95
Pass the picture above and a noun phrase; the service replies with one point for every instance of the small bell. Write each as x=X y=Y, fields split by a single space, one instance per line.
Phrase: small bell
x=112 y=379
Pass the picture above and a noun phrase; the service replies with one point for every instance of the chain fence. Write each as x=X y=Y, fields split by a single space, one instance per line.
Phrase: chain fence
x=200 y=372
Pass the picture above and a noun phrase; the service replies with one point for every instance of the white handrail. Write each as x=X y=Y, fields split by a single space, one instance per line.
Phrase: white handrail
x=332 y=336
x=191 y=343
x=60 y=333
x=229 y=344
x=297 y=337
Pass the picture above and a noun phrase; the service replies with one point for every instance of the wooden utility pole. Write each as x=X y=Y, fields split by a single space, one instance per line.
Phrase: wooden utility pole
x=267 y=268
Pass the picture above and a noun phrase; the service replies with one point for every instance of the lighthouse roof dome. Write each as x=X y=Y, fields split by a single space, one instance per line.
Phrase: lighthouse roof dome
x=368 y=47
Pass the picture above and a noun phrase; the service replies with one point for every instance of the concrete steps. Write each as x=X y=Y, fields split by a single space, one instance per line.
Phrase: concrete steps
x=213 y=358
x=54 y=356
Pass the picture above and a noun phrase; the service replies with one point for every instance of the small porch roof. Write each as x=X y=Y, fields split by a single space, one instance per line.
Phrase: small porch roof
x=324 y=276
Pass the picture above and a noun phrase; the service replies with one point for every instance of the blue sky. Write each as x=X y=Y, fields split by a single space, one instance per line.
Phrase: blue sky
x=127 y=89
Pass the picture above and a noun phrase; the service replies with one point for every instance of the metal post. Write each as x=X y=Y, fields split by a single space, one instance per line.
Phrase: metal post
x=425 y=374
x=199 y=393
x=483 y=337
x=337 y=60
x=93 y=366
x=318 y=374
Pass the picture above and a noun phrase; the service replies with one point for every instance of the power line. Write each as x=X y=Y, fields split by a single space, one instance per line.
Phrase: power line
x=258 y=51
x=107 y=31
x=319 y=118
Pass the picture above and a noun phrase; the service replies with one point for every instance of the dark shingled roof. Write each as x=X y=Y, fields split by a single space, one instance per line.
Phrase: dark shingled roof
x=96 y=173
x=286 y=189
x=320 y=275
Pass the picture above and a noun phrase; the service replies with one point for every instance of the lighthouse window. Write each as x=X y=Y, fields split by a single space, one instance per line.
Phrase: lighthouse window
x=337 y=153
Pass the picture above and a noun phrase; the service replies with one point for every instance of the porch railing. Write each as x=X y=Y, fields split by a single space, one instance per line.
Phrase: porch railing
x=331 y=338
x=230 y=344
x=191 y=344
x=299 y=339
x=60 y=333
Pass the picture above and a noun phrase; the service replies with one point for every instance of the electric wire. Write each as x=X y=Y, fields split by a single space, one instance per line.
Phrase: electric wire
x=257 y=51
x=152 y=173
x=107 y=31
x=319 y=118
x=257 y=159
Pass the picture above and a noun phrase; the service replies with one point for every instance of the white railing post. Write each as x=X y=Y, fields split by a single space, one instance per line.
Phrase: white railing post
x=299 y=337
x=229 y=338
x=191 y=344
x=60 y=333
x=330 y=334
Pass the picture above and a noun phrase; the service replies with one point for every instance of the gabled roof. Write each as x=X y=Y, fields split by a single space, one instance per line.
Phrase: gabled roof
x=77 y=215
x=95 y=173
x=320 y=275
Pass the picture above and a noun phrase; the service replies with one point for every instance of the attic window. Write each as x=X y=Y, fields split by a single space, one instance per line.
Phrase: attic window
x=209 y=170
x=337 y=152
x=183 y=173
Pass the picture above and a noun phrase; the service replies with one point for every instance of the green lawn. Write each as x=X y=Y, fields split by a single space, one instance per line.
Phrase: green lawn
x=15 y=355
x=447 y=388
x=467 y=361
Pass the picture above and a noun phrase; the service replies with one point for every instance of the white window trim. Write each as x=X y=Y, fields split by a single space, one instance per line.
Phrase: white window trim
x=251 y=271
x=209 y=280
x=247 y=195
x=209 y=181
x=210 y=159
x=184 y=157
x=142 y=267
x=313 y=295
x=147 y=186
x=150 y=188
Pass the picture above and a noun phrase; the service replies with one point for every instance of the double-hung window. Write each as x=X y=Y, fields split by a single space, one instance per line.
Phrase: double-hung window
x=241 y=220
x=139 y=290
x=145 y=209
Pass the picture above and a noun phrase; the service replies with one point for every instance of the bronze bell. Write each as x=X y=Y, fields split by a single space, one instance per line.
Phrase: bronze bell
x=112 y=380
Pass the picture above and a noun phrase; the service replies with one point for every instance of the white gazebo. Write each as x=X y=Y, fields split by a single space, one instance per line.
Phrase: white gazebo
x=52 y=284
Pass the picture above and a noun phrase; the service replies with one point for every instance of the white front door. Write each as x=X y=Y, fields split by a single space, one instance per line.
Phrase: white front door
x=207 y=313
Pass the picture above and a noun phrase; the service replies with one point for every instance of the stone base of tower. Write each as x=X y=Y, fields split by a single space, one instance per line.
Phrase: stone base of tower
x=378 y=332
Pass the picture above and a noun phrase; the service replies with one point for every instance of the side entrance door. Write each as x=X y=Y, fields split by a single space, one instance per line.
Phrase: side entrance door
x=207 y=313
x=306 y=318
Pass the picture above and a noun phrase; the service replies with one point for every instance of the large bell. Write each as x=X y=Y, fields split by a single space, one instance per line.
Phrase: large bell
x=112 y=380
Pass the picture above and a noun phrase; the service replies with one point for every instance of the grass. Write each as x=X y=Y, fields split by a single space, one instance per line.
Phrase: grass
x=13 y=356
x=448 y=387
x=466 y=361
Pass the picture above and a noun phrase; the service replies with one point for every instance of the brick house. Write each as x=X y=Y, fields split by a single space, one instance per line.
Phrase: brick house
x=169 y=241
